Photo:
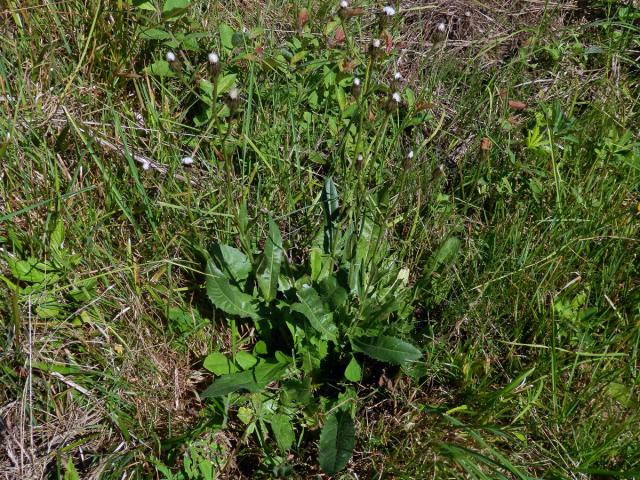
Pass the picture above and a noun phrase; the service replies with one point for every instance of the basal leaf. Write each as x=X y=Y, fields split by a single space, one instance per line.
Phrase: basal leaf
x=143 y=5
x=218 y=363
x=252 y=380
x=387 y=349
x=245 y=360
x=160 y=68
x=337 y=441
x=312 y=307
x=270 y=270
x=233 y=262
x=155 y=34
x=225 y=83
x=283 y=431
x=226 y=36
x=228 y=297
x=30 y=270
x=174 y=7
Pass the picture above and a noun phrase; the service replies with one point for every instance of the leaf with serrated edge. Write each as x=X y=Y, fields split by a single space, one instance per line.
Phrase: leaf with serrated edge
x=252 y=380
x=387 y=349
x=315 y=311
x=226 y=296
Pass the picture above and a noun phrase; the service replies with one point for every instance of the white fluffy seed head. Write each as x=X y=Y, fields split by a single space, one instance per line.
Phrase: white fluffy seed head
x=171 y=57
x=389 y=11
x=396 y=97
x=397 y=76
x=356 y=82
x=376 y=43
x=410 y=154
x=360 y=158
x=213 y=58
x=344 y=4
x=234 y=93
x=441 y=27
x=187 y=160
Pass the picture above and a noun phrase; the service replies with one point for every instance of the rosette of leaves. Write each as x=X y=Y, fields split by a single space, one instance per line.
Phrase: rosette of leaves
x=352 y=298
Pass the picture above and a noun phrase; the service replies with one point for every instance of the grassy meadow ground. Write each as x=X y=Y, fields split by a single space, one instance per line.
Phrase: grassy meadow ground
x=511 y=233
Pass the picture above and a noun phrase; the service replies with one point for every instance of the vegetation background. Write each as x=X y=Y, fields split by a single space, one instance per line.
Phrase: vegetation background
x=514 y=224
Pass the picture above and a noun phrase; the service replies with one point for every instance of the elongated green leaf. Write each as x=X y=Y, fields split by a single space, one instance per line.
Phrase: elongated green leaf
x=447 y=252
x=252 y=380
x=155 y=34
x=312 y=307
x=270 y=270
x=283 y=431
x=228 y=297
x=337 y=441
x=387 y=349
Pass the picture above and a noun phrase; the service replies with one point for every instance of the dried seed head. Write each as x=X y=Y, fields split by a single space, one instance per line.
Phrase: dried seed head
x=233 y=101
x=187 y=161
x=441 y=27
x=389 y=11
x=213 y=58
x=171 y=57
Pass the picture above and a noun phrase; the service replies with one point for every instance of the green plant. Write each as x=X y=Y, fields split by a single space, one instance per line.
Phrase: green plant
x=352 y=298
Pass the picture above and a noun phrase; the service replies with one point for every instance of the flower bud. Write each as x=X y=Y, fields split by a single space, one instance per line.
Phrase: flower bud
x=173 y=61
x=214 y=64
x=375 y=49
x=233 y=100
x=355 y=88
x=441 y=33
x=393 y=102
